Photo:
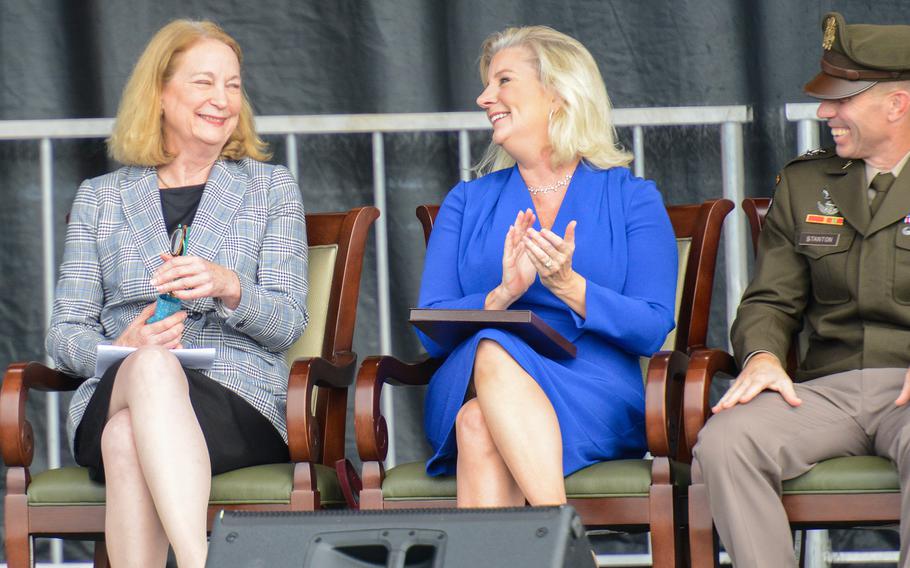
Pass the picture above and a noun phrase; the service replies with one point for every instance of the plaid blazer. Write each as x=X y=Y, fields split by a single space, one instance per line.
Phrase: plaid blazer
x=250 y=219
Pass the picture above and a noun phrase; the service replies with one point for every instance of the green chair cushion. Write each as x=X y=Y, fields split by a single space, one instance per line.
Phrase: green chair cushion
x=617 y=478
x=855 y=474
x=258 y=484
x=410 y=481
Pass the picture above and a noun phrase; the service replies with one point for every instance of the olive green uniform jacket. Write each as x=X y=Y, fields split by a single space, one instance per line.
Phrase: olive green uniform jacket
x=848 y=283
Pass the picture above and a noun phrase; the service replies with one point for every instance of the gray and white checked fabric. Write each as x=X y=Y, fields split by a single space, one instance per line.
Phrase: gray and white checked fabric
x=250 y=220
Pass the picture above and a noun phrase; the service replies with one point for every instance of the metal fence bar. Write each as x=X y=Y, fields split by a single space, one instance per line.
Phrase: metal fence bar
x=806 y=119
x=730 y=118
x=46 y=159
x=806 y=136
x=818 y=548
x=638 y=151
x=464 y=155
x=624 y=560
x=382 y=280
x=52 y=405
x=864 y=557
x=290 y=142
x=368 y=123
x=731 y=144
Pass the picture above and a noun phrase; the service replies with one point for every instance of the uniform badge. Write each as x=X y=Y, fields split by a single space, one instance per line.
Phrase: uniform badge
x=830 y=31
x=819 y=239
x=907 y=218
x=826 y=206
x=824 y=219
x=905 y=230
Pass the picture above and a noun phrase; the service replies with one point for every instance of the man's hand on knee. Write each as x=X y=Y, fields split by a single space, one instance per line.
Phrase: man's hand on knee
x=763 y=371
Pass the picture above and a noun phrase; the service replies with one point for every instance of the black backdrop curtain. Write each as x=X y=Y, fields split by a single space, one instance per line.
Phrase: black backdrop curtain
x=65 y=59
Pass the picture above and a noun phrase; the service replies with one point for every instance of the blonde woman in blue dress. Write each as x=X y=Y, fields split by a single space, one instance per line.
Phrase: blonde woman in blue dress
x=559 y=226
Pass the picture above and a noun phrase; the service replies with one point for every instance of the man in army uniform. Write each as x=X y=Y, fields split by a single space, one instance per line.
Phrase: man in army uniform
x=834 y=260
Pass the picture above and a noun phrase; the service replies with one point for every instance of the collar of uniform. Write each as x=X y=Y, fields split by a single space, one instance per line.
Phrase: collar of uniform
x=896 y=206
x=847 y=176
x=840 y=166
x=871 y=171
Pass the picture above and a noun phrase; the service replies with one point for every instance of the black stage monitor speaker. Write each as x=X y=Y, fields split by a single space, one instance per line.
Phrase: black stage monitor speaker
x=544 y=537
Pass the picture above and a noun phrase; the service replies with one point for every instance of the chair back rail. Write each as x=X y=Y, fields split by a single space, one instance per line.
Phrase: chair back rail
x=349 y=231
x=702 y=223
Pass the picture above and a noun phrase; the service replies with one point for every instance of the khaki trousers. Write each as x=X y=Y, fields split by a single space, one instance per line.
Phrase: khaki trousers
x=744 y=454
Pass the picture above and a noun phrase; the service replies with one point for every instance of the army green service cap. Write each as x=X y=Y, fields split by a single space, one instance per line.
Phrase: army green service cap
x=858 y=56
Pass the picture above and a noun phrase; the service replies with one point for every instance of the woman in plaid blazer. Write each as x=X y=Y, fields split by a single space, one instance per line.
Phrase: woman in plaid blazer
x=153 y=430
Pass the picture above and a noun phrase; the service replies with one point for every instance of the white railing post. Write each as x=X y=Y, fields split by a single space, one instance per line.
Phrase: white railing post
x=805 y=115
x=382 y=281
x=806 y=136
x=52 y=408
x=818 y=549
x=291 y=151
x=731 y=143
x=730 y=119
x=464 y=155
x=638 y=151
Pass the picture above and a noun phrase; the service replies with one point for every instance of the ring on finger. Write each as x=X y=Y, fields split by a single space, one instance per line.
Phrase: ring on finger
x=548 y=263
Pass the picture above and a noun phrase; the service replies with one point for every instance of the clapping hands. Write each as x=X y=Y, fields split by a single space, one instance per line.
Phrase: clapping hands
x=528 y=253
x=551 y=256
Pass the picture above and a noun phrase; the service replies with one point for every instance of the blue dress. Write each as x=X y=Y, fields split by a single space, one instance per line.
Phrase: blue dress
x=625 y=248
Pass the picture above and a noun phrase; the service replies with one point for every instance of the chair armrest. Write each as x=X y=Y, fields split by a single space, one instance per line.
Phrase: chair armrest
x=16 y=436
x=663 y=401
x=350 y=482
x=703 y=365
x=304 y=438
x=369 y=425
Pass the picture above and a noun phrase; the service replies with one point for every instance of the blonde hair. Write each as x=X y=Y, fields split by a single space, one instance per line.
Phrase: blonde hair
x=582 y=127
x=138 y=135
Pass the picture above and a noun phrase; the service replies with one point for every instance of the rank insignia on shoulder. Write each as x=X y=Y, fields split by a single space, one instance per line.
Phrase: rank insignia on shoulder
x=816 y=154
x=824 y=219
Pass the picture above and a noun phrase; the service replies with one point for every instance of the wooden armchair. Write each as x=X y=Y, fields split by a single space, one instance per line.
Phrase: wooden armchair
x=849 y=491
x=621 y=493
x=65 y=503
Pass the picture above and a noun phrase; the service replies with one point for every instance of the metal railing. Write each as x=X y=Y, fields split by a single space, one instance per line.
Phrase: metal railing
x=807 y=122
x=729 y=119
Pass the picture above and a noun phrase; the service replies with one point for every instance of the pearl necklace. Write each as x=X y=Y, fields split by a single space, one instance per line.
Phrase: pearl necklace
x=550 y=188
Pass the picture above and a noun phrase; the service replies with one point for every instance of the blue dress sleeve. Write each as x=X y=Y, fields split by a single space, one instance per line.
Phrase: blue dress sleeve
x=639 y=318
x=440 y=287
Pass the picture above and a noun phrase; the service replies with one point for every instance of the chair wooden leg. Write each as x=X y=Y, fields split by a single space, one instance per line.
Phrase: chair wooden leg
x=664 y=552
x=304 y=493
x=101 y=559
x=371 y=493
x=15 y=520
x=703 y=553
